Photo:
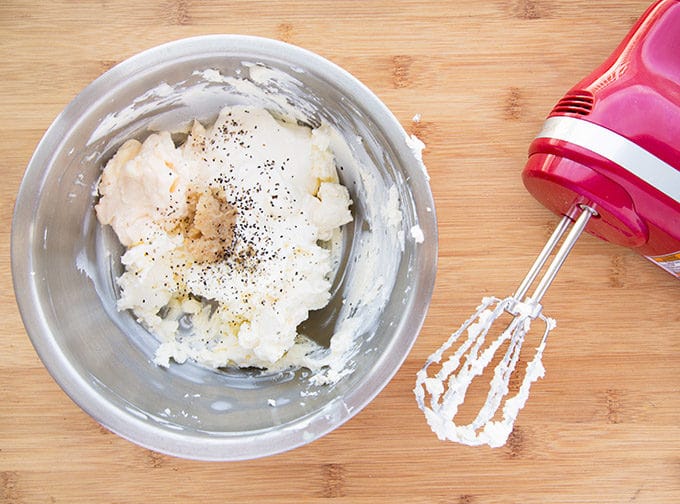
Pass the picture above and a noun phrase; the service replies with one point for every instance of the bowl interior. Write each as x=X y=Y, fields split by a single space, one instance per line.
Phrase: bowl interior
x=65 y=263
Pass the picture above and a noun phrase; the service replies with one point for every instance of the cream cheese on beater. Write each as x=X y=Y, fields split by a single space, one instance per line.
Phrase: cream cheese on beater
x=439 y=394
x=228 y=236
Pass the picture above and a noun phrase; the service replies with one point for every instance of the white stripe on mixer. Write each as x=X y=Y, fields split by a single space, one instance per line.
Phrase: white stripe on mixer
x=616 y=148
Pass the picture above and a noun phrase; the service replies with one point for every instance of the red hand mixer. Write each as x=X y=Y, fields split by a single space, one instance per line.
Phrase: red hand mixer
x=608 y=161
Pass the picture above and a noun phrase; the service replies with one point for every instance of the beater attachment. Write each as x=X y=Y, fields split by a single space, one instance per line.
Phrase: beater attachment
x=448 y=386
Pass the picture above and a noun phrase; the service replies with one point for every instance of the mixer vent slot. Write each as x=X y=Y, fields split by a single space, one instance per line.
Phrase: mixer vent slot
x=577 y=102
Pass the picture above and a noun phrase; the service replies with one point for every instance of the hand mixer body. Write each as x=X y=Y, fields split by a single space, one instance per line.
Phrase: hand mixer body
x=608 y=160
x=613 y=143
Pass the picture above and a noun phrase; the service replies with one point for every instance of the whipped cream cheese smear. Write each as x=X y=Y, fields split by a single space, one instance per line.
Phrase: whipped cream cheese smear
x=231 y=237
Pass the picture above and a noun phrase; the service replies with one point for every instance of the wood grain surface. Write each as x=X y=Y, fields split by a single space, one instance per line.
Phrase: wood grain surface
x=603 y=426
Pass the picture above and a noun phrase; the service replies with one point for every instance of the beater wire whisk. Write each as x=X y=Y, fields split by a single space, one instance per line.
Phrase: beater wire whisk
x=448 y=386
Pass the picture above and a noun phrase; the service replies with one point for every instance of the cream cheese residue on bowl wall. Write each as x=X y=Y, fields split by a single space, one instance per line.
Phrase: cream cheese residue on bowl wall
x=360 y=285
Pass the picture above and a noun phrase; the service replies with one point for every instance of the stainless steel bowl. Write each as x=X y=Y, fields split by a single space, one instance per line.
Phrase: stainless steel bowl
x=64 y=263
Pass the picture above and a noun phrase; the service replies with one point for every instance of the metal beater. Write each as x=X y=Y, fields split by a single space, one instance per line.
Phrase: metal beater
x=448 y=386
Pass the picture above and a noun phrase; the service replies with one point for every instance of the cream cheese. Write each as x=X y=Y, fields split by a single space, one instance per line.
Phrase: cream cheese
x=365 y=275
x=225 y=235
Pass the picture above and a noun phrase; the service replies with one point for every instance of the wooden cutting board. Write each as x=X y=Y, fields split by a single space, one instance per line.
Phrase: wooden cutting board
x=603 y=426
